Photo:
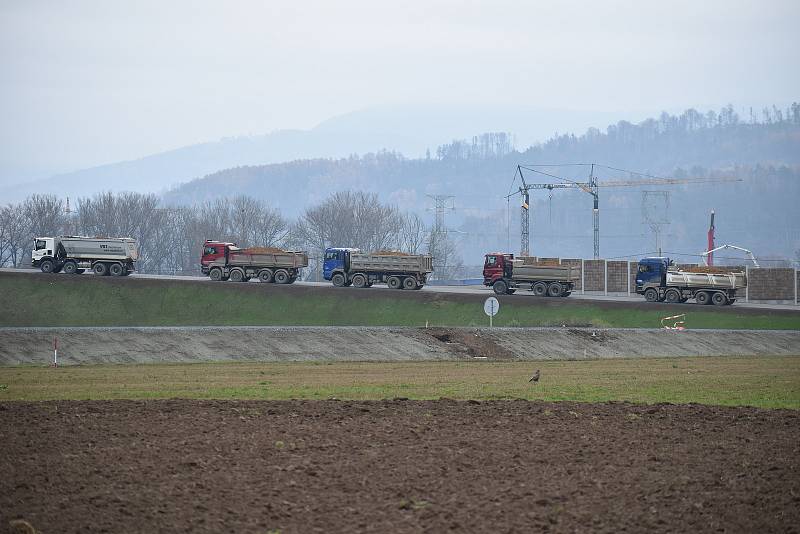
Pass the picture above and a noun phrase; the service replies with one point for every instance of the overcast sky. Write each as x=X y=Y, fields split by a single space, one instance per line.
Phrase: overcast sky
x=90 y=82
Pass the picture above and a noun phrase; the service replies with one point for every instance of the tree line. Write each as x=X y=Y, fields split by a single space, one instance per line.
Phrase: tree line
x=171 y=238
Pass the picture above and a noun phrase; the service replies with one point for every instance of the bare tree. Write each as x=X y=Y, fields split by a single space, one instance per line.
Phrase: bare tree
x=412 y=233
x=15 y=237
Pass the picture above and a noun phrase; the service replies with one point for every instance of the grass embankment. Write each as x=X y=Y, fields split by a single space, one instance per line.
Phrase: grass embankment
x=32 y=300
x=769 y=382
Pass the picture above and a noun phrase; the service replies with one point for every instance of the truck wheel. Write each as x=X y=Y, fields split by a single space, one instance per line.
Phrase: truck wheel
x=359 y=281
x=47 y=266
x=409 y=283
x=265 y=276
x=215 y=275
x=555 y=289
x=539 y=289
x=702 y=297
x=338 y=280
x=673 y=296
x=651 y=295
x=500 y=287
x=115 y=269
x=281 y=277
x=237 y=275
x=393 y=282
x=70 y=267
x=719 y=299
x=100 y=269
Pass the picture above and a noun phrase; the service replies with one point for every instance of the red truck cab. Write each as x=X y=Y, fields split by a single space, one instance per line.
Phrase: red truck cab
x=496 y=266
x=213 y=251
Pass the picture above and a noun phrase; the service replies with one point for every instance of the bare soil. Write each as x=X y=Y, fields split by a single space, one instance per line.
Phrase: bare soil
x=397 y=466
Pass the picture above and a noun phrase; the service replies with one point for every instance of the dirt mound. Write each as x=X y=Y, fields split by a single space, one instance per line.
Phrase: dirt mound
x=262 y=250
x=469 y=343
x=397 y=466
x=712 y=269
x=390 y=253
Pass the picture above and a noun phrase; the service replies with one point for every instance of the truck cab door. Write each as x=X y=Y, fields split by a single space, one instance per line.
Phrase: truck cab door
x=333 y=260
x=649 y=273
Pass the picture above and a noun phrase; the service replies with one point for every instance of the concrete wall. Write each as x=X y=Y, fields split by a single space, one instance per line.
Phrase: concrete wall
x=771 y=284
x=594 y=275
x=617 y=276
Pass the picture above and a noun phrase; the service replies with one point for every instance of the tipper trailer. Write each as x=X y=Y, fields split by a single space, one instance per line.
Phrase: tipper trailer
x=505 y=274
x=659 y=281
x=225 y=261
x=113 y=256
x=351 y=267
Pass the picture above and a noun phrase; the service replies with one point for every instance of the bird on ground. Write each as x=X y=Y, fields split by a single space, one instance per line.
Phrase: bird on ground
x=535 y=377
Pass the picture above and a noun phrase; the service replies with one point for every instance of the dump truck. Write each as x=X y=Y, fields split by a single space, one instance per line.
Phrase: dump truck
x=505 y=274
x=658 y=280
x=225 y=261
x=346 y=267
x=113 y=256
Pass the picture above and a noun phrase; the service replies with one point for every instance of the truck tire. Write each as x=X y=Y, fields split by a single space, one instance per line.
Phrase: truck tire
x=281 y=277
x=338 y=280
x=539 y=289
x=500 y=287
x=70 y=267
x=719 y=299
x=215 y=275
x=359 y=281
x=409 y=283
x=116 y=269
x=394 y=282
x=555 y=289
x=651 y=295
x=673 y=296
x=100 y=269
x=265 y=275
x=47 y=266
x=702 y=298
x=237 y=276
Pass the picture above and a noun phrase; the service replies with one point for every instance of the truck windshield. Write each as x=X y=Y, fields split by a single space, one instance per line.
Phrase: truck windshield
x=491 y=260
x=40 y=244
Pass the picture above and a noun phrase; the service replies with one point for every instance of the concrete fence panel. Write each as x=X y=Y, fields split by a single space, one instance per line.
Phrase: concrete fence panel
x=595 y=275
x=771 y=284
x=618 y=276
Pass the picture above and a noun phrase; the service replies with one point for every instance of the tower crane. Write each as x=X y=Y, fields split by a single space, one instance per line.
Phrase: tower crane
x=591 y=187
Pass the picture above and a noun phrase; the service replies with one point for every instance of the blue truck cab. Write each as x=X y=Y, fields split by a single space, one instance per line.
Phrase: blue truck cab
x=651 y=272
x=336 y=259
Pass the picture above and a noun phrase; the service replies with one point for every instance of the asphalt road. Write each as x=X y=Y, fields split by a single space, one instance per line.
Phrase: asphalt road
x=469 y=290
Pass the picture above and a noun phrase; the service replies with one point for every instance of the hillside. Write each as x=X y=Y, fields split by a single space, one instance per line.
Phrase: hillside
x=478 y=173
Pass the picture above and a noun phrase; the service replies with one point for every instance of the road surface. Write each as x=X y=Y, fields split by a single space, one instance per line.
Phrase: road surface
x=469 y=290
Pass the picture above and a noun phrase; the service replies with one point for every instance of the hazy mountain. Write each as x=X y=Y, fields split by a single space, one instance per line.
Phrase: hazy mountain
x=409 y=130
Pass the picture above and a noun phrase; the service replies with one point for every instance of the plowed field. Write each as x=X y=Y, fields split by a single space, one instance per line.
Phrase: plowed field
x=397 y=466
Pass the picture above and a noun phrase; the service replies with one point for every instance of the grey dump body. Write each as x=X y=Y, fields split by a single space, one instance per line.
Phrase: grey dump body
x=419 y=264
x=538 y=273
x=706 y=280
x=97 y=248
x=283 y=260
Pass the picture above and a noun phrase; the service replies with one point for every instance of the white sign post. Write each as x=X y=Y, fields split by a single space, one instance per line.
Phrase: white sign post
x=491 y=307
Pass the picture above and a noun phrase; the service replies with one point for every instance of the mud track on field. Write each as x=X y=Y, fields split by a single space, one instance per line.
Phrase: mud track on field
x=397 y=466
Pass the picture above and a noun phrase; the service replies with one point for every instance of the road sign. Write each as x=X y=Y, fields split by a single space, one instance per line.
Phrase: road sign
x=491 y=307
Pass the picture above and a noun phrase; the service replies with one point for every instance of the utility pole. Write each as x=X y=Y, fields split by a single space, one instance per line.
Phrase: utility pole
x=442 y=203
x=655 y=213
x=595 y=212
